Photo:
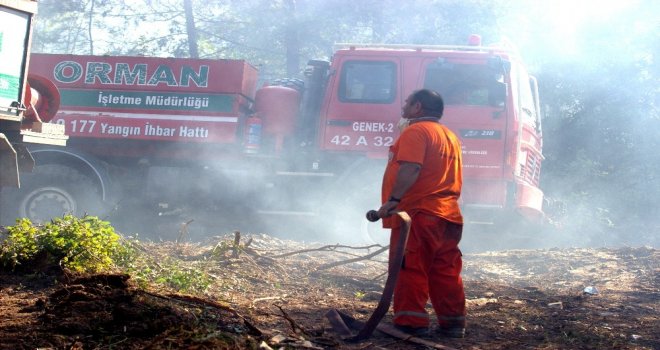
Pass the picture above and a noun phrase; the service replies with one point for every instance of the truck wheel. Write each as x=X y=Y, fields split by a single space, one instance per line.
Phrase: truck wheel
x=350 y=202
x=50 y=191
x=352 y=225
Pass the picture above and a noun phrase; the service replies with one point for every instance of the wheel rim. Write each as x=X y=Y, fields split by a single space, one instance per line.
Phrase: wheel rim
x=376 y=233
x=46 y=203
x=355 y=226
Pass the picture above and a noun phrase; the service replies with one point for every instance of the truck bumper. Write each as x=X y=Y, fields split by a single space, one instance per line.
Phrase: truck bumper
x=529 y=202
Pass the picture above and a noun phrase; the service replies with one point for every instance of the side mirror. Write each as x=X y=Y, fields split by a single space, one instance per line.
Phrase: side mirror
x=497 y=92
x=499 y=65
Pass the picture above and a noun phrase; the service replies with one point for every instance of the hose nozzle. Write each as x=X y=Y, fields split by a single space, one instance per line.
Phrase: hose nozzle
x=372 y=216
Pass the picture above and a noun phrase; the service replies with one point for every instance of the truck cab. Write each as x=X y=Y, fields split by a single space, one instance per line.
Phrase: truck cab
x=491 y=103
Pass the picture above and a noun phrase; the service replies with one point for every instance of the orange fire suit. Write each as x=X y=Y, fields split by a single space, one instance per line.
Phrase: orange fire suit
x=432 y=262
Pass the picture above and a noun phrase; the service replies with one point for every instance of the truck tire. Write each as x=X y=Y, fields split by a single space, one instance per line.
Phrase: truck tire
x=350 y=201
x=51 y=190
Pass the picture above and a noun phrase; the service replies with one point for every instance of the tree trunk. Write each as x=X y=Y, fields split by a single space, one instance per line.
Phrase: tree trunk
x=291 y=41
x=190 y=29
x=90 y=23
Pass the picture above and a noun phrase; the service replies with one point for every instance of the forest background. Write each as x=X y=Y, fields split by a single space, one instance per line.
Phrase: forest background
x=596 y=63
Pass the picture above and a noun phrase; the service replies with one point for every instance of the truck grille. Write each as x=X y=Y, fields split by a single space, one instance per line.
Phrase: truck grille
x=531 y=170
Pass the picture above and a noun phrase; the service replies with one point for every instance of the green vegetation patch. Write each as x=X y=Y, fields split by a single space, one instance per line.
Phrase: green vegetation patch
x=82 y=245
x=89 y=245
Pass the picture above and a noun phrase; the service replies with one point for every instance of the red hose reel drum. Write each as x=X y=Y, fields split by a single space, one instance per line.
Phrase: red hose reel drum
x=43 y=97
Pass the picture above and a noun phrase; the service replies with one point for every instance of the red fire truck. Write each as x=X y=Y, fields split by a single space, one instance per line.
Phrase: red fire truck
x=189 y=137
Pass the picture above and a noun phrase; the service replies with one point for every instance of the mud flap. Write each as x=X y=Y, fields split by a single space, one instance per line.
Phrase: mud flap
x=8 y=164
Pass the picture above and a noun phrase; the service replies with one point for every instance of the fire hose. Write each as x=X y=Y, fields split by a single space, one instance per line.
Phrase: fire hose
x=384 y=304
x=342 y=323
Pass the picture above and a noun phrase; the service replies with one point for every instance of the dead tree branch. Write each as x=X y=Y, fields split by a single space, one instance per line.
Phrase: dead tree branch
x=193 y=300
x=294 y=325
x=343 y=262
x=324 y=248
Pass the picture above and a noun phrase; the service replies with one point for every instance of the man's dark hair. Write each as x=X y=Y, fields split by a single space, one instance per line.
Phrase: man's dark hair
x=432 y=103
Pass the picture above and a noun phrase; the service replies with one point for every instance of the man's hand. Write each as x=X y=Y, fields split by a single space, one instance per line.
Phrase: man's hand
x=387 y=209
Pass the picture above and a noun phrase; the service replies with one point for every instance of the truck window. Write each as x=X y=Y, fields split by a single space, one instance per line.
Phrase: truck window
x=13 y=33
x=462 y=84
x=367 y=82
x=526 y=98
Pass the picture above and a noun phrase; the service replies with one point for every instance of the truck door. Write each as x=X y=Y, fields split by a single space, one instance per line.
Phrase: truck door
x=363 y=106
x=474 y=95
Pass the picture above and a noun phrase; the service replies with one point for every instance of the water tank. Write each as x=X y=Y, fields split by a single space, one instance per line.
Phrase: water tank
x=277 y=106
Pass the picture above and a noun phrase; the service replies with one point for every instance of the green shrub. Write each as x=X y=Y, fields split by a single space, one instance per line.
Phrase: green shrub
x=91 y=245
x=85 y=244
x=183 y=279
x=20 y=245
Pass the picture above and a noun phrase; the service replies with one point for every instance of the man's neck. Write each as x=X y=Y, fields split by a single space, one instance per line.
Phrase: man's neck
x=425 y=119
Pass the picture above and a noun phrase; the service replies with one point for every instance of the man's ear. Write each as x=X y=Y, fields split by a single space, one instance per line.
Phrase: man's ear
x=417 y=108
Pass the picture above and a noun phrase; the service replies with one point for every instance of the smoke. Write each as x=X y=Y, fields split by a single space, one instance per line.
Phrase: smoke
x=601 y=115
x=596 y=63
x=255 y=195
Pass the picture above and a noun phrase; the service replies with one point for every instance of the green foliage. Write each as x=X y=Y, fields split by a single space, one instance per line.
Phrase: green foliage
x=148 y=270
x=360 y=294
x=85 y=244
x=20 y=245
x=221 y=249
x=91 y=245
x=182 y=278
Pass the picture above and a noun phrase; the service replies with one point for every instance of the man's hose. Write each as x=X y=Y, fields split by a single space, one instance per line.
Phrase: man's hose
x=393 y=272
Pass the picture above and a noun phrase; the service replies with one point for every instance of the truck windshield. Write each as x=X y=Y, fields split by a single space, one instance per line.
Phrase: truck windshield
x=368 y=82
x=463 y=84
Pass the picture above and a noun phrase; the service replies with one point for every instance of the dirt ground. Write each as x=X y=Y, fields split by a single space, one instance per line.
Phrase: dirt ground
x=275 y=295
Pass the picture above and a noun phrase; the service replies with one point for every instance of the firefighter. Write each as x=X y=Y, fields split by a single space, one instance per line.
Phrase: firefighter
x=423 y=177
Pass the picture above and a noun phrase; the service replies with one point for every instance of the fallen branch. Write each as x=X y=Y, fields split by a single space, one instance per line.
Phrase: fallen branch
x=269 y=298
x=256 y=254
x=269 y=260
x=324 y=248
x=292 y=322
x=196 y=301
x=343 y=262
x=192 y=300
x=343 y=323
x=255 y=264
x=379 y=276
